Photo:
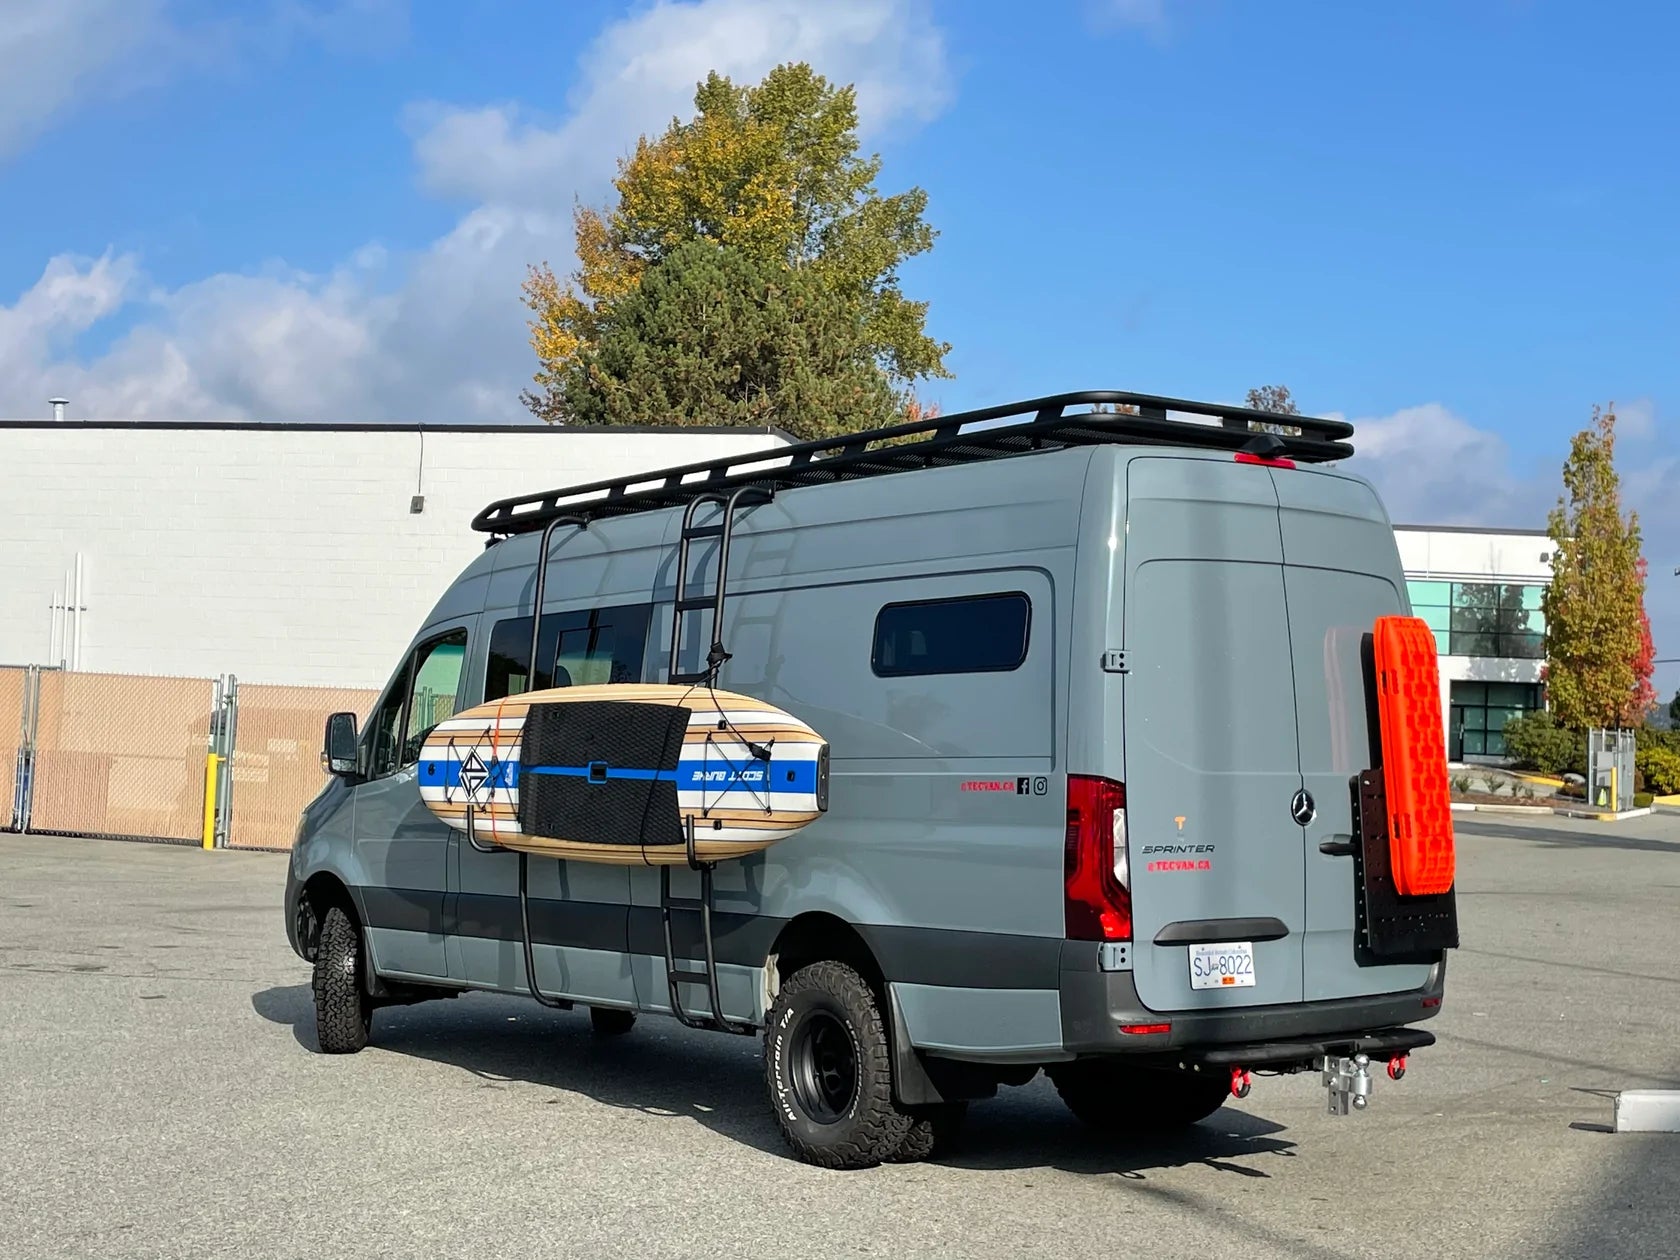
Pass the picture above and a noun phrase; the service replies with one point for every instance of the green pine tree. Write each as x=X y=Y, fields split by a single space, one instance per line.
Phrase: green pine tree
x=1595 y=602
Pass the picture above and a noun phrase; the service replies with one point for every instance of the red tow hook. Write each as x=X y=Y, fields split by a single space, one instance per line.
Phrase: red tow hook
x=1240 y=1082
x=1397 y=1067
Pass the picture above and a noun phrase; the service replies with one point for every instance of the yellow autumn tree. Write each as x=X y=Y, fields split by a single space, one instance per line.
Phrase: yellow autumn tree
x=769 y=173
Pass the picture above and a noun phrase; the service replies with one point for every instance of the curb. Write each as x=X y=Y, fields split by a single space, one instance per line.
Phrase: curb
x=1603 y=815
x=1648 y=1111
x=1468 y=807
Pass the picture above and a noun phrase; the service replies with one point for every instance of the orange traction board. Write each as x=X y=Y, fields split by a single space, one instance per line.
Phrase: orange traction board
x=1414 y=753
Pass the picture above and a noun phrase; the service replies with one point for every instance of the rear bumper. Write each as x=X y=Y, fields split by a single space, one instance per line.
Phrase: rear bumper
x=1097 y=1004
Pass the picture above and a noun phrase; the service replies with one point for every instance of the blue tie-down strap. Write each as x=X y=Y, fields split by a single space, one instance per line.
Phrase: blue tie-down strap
x=699 y=775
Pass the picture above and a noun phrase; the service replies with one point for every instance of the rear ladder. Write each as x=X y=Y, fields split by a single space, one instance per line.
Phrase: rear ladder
x=685 y=603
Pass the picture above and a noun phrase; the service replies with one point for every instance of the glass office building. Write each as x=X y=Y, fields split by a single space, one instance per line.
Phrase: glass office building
x=1480 y=592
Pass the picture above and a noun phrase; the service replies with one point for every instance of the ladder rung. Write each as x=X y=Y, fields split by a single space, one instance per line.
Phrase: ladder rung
x=679 y=976
x=694 y=532
x=694 y=603
x=684 y=903
x=690 y=677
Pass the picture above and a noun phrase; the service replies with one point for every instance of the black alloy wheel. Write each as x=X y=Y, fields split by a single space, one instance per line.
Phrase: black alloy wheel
x=825 y=1075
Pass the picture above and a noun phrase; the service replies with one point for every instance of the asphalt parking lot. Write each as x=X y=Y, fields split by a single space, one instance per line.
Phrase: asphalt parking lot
x=162 y=1096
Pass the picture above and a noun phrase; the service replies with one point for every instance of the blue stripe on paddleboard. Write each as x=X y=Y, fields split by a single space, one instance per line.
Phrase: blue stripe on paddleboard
x=774 y=776
x=446 y=772
x=690 y=776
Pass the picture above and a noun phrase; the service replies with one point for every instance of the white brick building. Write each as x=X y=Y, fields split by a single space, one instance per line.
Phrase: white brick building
x=282 y=554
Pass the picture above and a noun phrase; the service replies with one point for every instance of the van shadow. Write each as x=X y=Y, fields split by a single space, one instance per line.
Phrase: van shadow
x=663 y=1069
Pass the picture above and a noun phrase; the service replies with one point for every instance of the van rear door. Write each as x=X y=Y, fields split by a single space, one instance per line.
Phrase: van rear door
x=1211 y=761
x=1341 y=572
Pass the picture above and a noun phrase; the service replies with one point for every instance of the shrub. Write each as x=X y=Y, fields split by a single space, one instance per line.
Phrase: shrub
x=1642 y=800
x=1659 y=767
x=1656 y=737
x=1461 y=783
x=1537 y=742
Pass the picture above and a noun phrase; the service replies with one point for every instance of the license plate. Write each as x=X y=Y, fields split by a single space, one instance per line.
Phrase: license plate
x=1226 y=966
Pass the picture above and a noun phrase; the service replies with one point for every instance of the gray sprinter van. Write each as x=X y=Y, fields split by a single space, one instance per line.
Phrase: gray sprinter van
x=1105 y=790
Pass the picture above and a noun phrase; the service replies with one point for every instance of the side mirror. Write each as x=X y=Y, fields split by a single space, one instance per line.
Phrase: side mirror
x=338 y=752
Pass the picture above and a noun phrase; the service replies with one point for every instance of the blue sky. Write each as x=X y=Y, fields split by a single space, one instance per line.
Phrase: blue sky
x=1451 y=223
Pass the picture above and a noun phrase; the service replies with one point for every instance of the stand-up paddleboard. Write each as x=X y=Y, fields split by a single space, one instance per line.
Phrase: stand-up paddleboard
x=612 y=773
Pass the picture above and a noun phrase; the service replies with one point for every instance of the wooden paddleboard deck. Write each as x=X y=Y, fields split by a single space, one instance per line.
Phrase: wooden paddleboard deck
x=611 y=773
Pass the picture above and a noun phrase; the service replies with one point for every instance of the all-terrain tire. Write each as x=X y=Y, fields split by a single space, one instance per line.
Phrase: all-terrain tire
x=610 y=1021
x=828 y=1070
x=933 y=1130
x=343 y=1009
x=1115 y=1097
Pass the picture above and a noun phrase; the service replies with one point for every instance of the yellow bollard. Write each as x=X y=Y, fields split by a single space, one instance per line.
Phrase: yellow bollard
x=212 y=763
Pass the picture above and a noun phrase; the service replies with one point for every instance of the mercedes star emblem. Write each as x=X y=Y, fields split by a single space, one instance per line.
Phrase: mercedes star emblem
x=1302 y=809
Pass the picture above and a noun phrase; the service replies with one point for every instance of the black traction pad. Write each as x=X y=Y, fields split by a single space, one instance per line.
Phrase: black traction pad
x=1392 y=928
x=602 y=772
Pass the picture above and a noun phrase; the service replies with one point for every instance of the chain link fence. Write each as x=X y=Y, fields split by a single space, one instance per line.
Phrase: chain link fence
x=276 y=767
x=183 y=760
x=120 y=755
x=14 y=687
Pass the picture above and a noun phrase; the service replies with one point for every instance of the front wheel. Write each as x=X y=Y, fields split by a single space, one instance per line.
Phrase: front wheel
x=343 y=1009
x=1115 y=1097
x=828 y=1070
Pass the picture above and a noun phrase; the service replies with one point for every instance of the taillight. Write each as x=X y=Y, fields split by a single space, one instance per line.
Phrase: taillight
x=1249 y=457
x=1097 y=899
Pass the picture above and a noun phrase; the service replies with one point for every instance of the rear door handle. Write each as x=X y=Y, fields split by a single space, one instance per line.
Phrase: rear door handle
x=1337 y=846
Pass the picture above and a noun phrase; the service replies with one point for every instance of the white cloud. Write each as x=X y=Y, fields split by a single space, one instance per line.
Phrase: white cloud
x=1434 y=467
x=441 y=334
x=52 y=52
x=1636 y=420
x=1150 y=13
x=58 y=54
x=642 y=72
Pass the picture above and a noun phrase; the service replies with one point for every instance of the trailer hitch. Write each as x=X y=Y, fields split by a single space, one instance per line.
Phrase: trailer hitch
x=1347 y=1080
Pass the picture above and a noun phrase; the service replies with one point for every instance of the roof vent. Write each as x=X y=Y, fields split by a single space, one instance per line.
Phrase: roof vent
x=58 y=406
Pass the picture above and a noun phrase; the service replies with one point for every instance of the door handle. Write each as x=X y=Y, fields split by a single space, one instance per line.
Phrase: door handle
x=1337 y=846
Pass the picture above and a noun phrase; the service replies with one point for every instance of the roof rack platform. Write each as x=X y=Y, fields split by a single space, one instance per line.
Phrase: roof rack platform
x=1011 y=429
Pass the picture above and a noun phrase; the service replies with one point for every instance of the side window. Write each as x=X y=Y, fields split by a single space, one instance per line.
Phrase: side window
x=422 y=696
x=970 y=635
x=382 y=731
x=577 y=649
x=437 y=677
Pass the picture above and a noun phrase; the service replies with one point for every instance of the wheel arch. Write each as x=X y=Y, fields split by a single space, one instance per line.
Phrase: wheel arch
x=821 y=936
x=321 y=891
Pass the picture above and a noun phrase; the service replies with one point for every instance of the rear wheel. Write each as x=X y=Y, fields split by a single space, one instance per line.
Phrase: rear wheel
x=343 y=1009
x=1116 y=1097
x=828 y=1070
x=933 y=1130
x=609 y=1021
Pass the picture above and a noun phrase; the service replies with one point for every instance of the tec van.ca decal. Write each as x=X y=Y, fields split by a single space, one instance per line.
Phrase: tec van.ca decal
x=1021 y=785
x=1185 y=857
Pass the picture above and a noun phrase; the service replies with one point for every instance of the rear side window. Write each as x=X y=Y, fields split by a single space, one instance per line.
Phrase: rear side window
x=577 y=649
x=973 y=635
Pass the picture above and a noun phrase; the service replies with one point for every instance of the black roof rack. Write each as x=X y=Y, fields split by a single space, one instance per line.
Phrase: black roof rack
x=1038 y=424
